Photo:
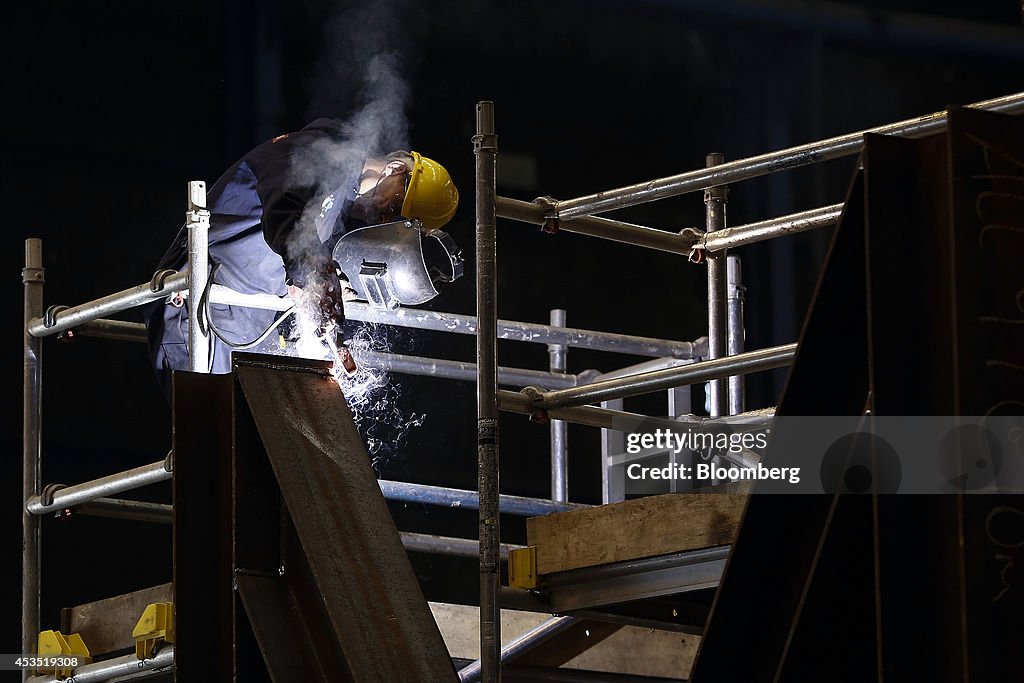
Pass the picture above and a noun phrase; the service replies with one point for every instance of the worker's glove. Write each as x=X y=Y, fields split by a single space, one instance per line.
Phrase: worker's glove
x=320 y=297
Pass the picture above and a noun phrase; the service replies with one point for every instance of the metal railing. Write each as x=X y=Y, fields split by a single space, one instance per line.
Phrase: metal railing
x=725 y=362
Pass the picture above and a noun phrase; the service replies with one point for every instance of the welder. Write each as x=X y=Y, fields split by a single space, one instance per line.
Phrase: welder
x=278 y=217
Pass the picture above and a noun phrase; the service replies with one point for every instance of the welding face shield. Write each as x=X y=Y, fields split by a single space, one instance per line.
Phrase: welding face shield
x=398 y=263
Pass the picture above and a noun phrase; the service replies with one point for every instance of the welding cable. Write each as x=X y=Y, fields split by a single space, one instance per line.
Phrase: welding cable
x=204 y=304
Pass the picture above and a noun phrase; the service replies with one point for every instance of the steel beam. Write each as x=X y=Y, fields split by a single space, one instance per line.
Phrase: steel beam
x=366 y=595
x=618 y=582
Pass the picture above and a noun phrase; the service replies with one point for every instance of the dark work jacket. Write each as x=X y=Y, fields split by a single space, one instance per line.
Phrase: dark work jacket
x=258 y=237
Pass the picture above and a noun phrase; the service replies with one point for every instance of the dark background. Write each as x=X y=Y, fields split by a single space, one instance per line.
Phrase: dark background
x=109 y=111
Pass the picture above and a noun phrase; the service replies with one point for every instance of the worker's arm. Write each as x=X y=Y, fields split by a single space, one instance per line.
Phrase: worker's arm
x=289 y=229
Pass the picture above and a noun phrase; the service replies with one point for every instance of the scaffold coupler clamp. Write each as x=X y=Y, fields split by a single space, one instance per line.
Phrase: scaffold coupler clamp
x=50 y=316
x=539 y=415
x=698 y=243
x=46 y=497
x=550 y=206
x=156 y=283
x=50 y=319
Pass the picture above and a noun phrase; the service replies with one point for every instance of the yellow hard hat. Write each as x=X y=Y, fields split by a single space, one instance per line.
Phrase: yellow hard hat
x=431 y=197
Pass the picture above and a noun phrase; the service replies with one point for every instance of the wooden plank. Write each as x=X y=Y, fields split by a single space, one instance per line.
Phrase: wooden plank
x=106 y=625
x=633 y=529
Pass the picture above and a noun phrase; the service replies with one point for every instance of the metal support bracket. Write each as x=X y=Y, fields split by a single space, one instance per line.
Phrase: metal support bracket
x=522 y=567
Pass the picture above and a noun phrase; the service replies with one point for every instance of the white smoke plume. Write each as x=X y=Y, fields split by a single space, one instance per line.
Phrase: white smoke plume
x=358 y=81
x=379 y=126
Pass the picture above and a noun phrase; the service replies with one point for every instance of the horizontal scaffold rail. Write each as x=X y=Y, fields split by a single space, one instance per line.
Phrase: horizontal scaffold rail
x=403 y=317
x=56 y=497
x=669 y=378
x=121 y=668
x=683 y=242
x=68 y=318
x=162 y=513
x=752 y=167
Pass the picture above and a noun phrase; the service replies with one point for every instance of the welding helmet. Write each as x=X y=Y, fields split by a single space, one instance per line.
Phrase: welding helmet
x=399 y=263
x=431 y=196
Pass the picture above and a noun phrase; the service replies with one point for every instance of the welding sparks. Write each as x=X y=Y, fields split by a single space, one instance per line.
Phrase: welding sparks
x=371 y=393
x=373 y=397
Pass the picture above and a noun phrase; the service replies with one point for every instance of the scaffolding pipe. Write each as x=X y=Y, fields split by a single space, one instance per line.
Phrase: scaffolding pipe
x=121 y=508
x=734 y=300
x=620 y=421
x=75 y=496
x=752 y=167
x=455 y=323
x=457 y=370
x=356 y=310
x=71 y=496
x=527 y=332
x=645 y=366
x=161 y=513
x=390 y=362
x=485 y=147
x=744 y=363
x=113 y=329
x=220 y=294
x=715 y=200
x=124 y=668
x=590 y=416
x=197 y=218
x=448 y=545
x=604 y=228
x=559 y=429
x=522 y=644
x=727 y=238
x=675 y=243
x=470 y=500
x=32 y=277
x=129 y=298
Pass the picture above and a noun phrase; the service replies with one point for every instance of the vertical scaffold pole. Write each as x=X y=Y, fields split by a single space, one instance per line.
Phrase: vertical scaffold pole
x=197 y=217
x=736 y=296
x=718 y=327
x=485 y=148
x=33 y=277
x=559 y=428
